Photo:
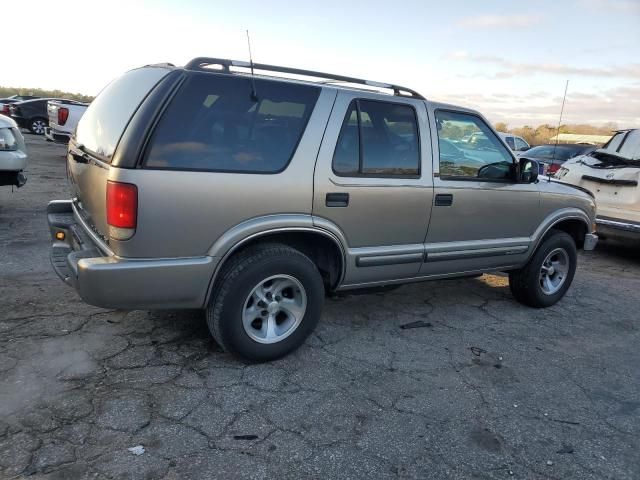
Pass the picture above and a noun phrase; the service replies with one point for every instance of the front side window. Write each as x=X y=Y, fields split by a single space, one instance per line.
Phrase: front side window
x=469 y=149
x=215 y=123
x=378 y=139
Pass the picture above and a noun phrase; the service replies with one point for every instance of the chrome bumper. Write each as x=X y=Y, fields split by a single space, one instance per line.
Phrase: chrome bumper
x=619 y=225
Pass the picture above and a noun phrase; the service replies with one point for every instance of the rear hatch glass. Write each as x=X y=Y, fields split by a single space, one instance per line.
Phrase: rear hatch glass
x=98 y=134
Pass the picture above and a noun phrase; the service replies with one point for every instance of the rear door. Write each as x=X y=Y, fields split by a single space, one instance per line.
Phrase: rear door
x=373 y=181
x=97 y=136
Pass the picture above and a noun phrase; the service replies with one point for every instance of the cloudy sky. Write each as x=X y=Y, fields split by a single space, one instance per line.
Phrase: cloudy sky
x=510 y=59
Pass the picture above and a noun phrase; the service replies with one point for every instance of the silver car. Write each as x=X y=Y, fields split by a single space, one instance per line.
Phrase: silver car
x=13 y=153
x=251 y=196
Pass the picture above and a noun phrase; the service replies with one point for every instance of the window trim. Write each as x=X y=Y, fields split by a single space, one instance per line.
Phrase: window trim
x=359 y=174
x=458 y=178
x=188 y=76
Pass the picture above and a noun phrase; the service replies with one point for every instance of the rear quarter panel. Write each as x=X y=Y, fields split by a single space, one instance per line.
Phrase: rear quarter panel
x=182 y=213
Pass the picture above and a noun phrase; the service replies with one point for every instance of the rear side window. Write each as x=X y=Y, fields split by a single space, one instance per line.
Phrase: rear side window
x=103 y=123
x=214 y=124
x=378 y=139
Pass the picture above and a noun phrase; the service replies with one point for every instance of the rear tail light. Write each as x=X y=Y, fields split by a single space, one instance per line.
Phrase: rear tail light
x=553 y=168
x=122 y=209
x=63 y=115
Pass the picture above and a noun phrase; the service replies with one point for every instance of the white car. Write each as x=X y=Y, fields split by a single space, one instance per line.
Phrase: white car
x=516 y=143
x=612 y=174
x=13 y=153
x=64 y=116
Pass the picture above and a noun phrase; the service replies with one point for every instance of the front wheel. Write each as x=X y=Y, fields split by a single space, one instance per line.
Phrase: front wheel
x=266 y=302
x=37 y=125
x=549 y=273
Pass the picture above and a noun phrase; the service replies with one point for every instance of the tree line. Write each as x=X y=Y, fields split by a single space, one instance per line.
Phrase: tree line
x=543 y=133
x=39 y=92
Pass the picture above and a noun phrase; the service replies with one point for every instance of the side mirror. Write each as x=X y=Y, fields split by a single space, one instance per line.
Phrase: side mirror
x=528 y=170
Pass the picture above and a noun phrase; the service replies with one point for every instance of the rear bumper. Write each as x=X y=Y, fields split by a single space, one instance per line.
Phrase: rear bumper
x=83 y=261
x=617 y=228
x=56 y=136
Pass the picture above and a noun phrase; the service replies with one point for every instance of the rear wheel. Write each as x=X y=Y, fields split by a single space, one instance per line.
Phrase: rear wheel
x=37 y=125
x=266 y=302
x=549 y=273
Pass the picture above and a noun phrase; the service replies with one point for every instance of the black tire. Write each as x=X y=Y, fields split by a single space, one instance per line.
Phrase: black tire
x=236 y=282
x=525 y=284
x=37 y=125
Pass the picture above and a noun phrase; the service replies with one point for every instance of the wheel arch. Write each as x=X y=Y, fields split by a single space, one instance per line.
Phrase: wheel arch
x=324 y=248
x=575 y=222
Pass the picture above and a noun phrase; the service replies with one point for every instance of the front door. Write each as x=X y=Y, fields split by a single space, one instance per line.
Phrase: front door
x=373 y=182
x=482 y=217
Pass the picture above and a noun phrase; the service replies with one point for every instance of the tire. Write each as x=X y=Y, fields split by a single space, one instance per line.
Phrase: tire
x=37 y=125
x=535 y=288
x=277 y=274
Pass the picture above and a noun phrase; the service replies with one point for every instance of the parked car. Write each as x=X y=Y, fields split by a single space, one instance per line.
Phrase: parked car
x=612 y=173
x=21 y=98
x=251 y=196
x=31 y=114
x=63 y=119
x=516 y=143
x=13 y=154
x=4 y=106
x=550 y=157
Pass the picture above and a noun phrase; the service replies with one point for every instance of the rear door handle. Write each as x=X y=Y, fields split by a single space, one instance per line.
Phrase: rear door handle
x=337 y=200
x=444 y=200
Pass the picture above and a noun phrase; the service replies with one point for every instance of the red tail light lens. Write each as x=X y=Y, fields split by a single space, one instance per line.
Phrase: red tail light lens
x=554 y=167
x=122 y=205
x=63 y=115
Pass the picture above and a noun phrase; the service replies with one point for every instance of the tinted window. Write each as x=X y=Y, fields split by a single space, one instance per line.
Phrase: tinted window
x=214 y=123
x=378 y=139
x=471 y=149
x=103 y=123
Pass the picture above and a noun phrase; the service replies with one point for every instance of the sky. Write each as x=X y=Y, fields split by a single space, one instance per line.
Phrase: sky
x=508 y=59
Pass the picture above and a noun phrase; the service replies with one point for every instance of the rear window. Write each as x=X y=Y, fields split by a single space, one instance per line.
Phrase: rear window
x=214 y=123
x=103 y=123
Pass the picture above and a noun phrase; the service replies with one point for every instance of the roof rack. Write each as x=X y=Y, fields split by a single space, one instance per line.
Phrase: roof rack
x=200 y=63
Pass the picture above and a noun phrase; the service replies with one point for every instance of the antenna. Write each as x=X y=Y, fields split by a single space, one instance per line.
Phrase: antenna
x=558 y=129
x=254 y=93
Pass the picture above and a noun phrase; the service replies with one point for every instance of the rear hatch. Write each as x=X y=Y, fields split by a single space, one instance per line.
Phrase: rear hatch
x=92 y=147
x=613 y=180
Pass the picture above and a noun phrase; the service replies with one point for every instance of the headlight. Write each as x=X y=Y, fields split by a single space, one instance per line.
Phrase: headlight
x=7 y=140
x=561 y=172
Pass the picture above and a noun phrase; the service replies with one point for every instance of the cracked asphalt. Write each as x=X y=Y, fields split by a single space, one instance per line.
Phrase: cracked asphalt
x=485 y=388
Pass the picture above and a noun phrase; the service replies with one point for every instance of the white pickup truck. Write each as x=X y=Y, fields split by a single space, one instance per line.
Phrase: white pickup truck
x=63 y=119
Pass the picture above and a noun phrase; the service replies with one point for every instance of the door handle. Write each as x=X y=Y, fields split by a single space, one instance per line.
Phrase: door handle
x=337 y=200
x=444 y=200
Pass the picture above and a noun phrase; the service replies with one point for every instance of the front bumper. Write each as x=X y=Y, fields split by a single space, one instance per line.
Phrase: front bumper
x=101 y=278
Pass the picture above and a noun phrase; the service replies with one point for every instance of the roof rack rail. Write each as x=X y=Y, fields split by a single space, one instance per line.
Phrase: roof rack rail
x=200 y=63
